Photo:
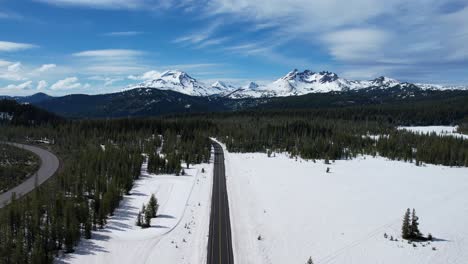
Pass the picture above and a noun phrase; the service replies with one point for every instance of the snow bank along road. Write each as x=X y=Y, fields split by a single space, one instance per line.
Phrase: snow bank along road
x=300 y=210
x=179 y=234
x=49 y=165
x=219 y=242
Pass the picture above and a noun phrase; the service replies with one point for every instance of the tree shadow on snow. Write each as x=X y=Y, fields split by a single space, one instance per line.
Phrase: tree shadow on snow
x=165 y=216
x=137 y=194
x=158 y=226
x=436 y=239
x=86 y=247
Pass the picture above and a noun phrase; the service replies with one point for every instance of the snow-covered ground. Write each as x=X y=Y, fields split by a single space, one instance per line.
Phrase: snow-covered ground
x=299 y=210
x=179 y=234
x=439 y=130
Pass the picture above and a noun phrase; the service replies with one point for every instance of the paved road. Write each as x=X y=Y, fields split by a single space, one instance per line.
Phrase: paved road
x=49 y=165
x=219 y=241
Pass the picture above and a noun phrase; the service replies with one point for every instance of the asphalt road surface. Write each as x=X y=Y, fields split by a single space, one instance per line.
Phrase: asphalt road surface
x=219 y=241
x=49 y=165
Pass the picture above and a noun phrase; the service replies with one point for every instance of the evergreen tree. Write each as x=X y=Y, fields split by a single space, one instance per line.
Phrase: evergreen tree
x=87 y=228
x=153 y=206
x=138 y=221
x=148 y=214
x=414 y=228
x=406 y=228
x=310 y=261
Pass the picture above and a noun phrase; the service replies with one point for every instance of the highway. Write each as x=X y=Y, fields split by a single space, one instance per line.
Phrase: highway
x=49 y=165
x=219 y=240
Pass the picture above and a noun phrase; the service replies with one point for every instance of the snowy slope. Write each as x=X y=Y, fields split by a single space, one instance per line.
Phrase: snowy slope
x=299 y=210
x=300 y=83
x=177 y=235
x=439 y=130
x=441 y=87
x=178 y=81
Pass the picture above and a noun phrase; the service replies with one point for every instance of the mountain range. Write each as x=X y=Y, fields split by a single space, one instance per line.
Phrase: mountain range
x=292 y=84
x=175 y=92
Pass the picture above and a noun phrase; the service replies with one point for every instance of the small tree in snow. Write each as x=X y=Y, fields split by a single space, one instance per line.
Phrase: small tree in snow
x=153 y=206
x=415 y=233
x=148 y=214
x=310 y=261
x=138 y=221
x=406 y=228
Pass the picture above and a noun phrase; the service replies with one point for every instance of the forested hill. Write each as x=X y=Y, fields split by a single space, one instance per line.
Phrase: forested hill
x=132 y=103
x=144 y=102
x=25 y=114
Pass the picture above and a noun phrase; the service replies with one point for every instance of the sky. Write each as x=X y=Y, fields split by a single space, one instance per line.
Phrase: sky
x=100 y=46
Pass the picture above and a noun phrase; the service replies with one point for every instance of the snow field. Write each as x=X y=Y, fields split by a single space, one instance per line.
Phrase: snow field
x=179 y=234
x=341 y=217
x=439 y=130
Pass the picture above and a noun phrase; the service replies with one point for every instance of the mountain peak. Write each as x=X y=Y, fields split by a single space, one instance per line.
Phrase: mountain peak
x=252 y=86
x=291 y=75
x=384 y=81
x=219 y=84
x=177 y=81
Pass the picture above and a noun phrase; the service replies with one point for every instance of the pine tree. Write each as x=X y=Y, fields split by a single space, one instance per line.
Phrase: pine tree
x=153 y=206
x=405 y=229
x=138 y=221
x=415 y=225
x=87 y=228
x=148 y=214
x=310 y=261
x=142 y=213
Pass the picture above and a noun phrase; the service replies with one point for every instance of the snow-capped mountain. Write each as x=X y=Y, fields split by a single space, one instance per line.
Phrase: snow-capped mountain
x=293 y=83
x=305 y=82
x=426 y=86
x=178 y=81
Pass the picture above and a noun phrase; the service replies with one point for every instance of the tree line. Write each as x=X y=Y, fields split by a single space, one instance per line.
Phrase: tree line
x=93 y=179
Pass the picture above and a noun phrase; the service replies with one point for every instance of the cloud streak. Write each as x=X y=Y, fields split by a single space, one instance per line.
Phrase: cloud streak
x=108 y=53
x=7 y=46
x=122 y=33
x=66 y=84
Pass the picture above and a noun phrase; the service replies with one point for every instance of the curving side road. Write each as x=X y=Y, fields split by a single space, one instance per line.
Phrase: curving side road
x=49 y=165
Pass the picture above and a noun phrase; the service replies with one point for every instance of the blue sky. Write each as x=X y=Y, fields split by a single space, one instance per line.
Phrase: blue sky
x=96 y=46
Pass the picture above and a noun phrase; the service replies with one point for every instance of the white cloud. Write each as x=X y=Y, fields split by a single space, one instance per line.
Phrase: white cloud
x=108 y=81
x=108 y=53
x=201 y=37
x=12 y=72
x=110 y=61
x=6 y=46
x=15 y=67
x=149 y=75
x=41 y=85
x=112 y=69
x=356 y=44
x=122 y=33
x=99 y=4
x=46 y=67
x=4 y=63
x=23 y=86
x=66 y=84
